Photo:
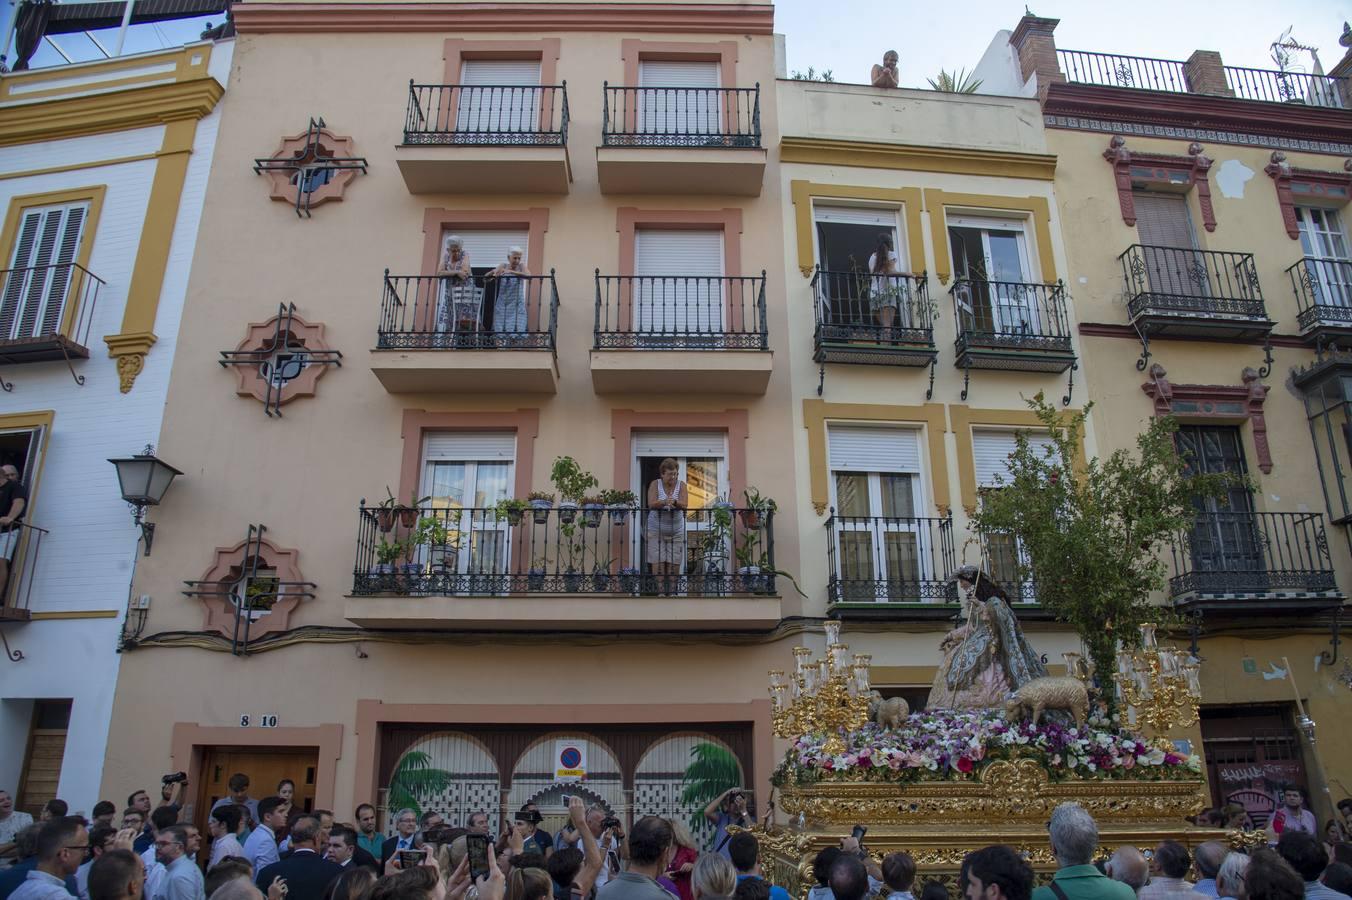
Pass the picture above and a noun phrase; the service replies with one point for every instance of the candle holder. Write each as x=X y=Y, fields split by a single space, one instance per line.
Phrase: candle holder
x=825 y=696
x=1160 y=685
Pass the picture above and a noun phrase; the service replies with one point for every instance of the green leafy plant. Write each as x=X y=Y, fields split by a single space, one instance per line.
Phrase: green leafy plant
x=431 y=532
x=615 y=497
x=712 y=770
x=571 y=480
x=1091 y=540
x=812 y=74
x=261 y=593
x=540 y=495
x=511 y=509
x=959 y=81
x=388 y=552
x=414 y=779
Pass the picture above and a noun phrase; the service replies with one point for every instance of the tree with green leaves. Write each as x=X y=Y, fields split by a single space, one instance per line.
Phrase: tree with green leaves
x=713 y=769
x=959 y=81
x=414 y=780
x=1093 y=540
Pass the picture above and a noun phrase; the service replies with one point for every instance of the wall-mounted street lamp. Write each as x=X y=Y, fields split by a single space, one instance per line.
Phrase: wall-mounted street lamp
x=144 y=480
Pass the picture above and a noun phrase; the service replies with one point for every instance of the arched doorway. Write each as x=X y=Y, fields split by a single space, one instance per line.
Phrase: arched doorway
x=448 y=771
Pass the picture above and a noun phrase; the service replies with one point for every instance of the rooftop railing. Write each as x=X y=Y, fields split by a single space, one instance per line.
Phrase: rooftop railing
x=681 y=312
x=434 y=312
x=1323 y=289
x=487 y=115
x=1239 y=552
x=1275 y=86
x=1116 y=70
x=681 y=117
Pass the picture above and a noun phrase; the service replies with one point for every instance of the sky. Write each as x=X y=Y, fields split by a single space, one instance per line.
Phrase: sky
x=848 y=36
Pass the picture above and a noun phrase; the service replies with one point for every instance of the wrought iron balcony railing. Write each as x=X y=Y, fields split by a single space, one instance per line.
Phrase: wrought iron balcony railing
x=681 y=117
x=680 y=312
x=1180 y=282
x=869 y=318
x=1275 y=86
x=1115 y=70
x=46 y=311
x=889 y=559
x=1323 y=292
x=23 y=567
x=1010 y=315
x=1252 y=553
x=592 y=550
x=434 y=312
x=487 y=115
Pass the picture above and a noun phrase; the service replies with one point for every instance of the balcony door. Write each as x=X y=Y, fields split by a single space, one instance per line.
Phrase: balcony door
x=1174 y=267
x=486 y=248
x=500 y=96
x=465 y=475
x=41 y=270
x=846 y=238
x=672 y=102
x=1225 y=537
x=1003 y=554
x=1324 y=242
x=993 y=255
x=703 y=460
x=678 y=288
x=883 y=551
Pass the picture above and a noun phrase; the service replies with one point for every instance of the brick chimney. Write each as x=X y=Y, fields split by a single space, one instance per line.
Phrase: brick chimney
x=1033 y=41
x=1206 y=74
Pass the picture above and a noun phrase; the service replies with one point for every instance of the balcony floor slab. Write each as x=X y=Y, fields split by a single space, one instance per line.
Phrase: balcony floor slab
x=566 y=612
x=473 y=371
x=681 y=371
x=442 y=169
x=681 y=170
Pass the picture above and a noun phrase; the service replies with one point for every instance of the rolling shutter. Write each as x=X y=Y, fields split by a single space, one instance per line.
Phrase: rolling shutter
x=676 y=111
x=855 y=448
x=454 y=445
x=688 y=444
x=991 y=451
x=687 y=298
x=1162 y=220
x=489 y=247
x=34 y=295
x=495 y=101
x=883 y=218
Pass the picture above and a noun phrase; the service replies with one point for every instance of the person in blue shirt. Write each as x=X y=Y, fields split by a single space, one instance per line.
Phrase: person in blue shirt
x=744 y=851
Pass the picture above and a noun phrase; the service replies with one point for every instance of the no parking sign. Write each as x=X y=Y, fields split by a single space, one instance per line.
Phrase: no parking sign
x=570 y=761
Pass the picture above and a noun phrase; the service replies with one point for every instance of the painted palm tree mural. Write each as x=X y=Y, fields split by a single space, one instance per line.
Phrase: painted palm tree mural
x=415 y=780
x=713 y=769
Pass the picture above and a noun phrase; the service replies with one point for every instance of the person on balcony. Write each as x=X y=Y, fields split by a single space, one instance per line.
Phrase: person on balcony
x=667 y=500
x=458 y=306
x=884 y=287
x=13 y=502
x=885 y=76
x=509 y=305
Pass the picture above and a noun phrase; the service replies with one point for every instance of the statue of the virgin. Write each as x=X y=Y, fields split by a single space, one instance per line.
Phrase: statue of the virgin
x=987 y=656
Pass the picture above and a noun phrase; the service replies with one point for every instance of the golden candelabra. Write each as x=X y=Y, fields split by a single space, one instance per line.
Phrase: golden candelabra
x=823 y=696
x=1161 y=685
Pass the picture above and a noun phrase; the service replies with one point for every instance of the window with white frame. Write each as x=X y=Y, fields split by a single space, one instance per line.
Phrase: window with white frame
x=1324 y=242
x=883 y=549
x=465 y=474
x=991 y=450
x=996 y=291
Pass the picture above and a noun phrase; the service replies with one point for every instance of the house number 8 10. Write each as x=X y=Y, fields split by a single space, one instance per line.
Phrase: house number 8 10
x=265 y=721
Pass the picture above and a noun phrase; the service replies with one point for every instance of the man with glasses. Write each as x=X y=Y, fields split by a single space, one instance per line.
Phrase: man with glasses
x=62 y=844
x=100 y=842
x=175 y=849
x=406 y=824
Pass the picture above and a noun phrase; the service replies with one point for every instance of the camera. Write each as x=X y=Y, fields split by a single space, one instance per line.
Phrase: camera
x=174 y=778
x=610 y=822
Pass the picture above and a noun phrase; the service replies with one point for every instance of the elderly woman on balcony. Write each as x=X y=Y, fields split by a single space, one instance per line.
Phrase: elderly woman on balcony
x=665 y=529
x=458 y=306
x=509 y=305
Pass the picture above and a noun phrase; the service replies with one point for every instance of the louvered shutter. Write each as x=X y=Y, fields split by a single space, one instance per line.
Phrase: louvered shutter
x=488 y=248
x=677 y=288
x=470 y=446
x=687 y=444
x=500 y=95
x=991 y=451
x=1172 y=265
x=34 y=296
x=1162 y=220
x=856 y=448
x=673 y=102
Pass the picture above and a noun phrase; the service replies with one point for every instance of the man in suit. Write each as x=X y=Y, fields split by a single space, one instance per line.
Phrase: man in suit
x=343 y=849
x=306 y=873
x=406 y=824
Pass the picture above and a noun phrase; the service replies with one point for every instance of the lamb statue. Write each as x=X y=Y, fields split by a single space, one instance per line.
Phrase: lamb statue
x=889 y=713
x=1061 y=692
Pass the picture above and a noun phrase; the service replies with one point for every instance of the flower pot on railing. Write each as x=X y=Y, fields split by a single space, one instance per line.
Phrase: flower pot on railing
x=408 y=516
x=535 y=580
x=385 y=519
x=750 y=579
x=591 y=514
x=567 y=511
x=601 y=579
x=751 y=518
x=629 y=580
x=619 y=513
x=540 y=510
x=572 y=580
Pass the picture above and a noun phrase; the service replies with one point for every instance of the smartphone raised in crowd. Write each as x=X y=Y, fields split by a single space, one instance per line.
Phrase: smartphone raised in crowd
x=410 y=858
x=477 y=847
x=859 y=832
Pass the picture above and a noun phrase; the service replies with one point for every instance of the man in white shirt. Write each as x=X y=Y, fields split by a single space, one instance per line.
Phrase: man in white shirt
x=61 y=847
x=261 y=847
x=11 y=822
x=176 y=848
x=100 y=842
x=607 y=838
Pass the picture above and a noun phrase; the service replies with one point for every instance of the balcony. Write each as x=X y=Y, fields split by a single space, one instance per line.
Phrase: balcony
x=1251 y=564
x=1011 y=326
x=1193 y=293
x=481 y=139
x=18 y=594
x=884 y=565
x=658 y=334
x=1323 y=289
x=488 y=336
x=883 y=320
x=659 y=140
x=563 y=569
x=45 y=313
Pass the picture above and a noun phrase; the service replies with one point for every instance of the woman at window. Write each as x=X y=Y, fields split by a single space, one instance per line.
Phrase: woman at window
x=667 y=500
x=286 y=789
x=458 y=309
x=509 y=306
x=884 y=287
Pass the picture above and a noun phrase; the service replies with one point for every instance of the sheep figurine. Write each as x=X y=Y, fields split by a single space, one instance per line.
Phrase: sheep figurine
x=889 y=713
x=1061 y=692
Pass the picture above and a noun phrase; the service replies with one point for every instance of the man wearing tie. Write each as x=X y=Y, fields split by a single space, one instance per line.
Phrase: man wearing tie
x=406 y=824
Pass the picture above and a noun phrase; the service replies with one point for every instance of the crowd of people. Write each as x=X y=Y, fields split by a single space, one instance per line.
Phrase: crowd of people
x=272 y=848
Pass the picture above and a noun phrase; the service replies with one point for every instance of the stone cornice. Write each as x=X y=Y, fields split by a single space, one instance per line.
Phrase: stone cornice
x=917 y=158
x=113 y=111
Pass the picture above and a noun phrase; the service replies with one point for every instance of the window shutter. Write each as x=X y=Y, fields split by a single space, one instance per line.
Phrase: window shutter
x=675 y=111
x=665 y=73
x=687 y=300
x=678 y=253
x=855 y=448
x=991 y=451
x=470 y=446
x=49 y=241
x=882 y=218
x=1162 y=220
x=687 y=444
x=489 y=247
x=497 y=104
x=499 y=72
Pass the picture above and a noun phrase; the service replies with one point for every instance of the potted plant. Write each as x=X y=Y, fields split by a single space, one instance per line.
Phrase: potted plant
x=436 y=537
x=748 y=566
x=385 y=512
x=541 y=502
x=387 y=553
x=757 y=507
x=577 y=554
x=601 y=576
x=619 y=503
x=592 y=508
x=629 y=580
x=572 y=482
x=512 y=510
x=535 y=577
x=712 y=563
x=408 y=515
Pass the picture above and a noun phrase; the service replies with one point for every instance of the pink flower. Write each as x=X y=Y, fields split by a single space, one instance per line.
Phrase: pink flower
x=1128 y=761
x=964 y=764
x=894 y=762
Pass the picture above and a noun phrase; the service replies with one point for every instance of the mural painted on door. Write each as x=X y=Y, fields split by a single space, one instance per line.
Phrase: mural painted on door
x=679 y=776
x=450 y=772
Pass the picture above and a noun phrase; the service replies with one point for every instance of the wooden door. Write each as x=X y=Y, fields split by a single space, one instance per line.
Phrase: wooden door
x=42 y=763
x=265 y=768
